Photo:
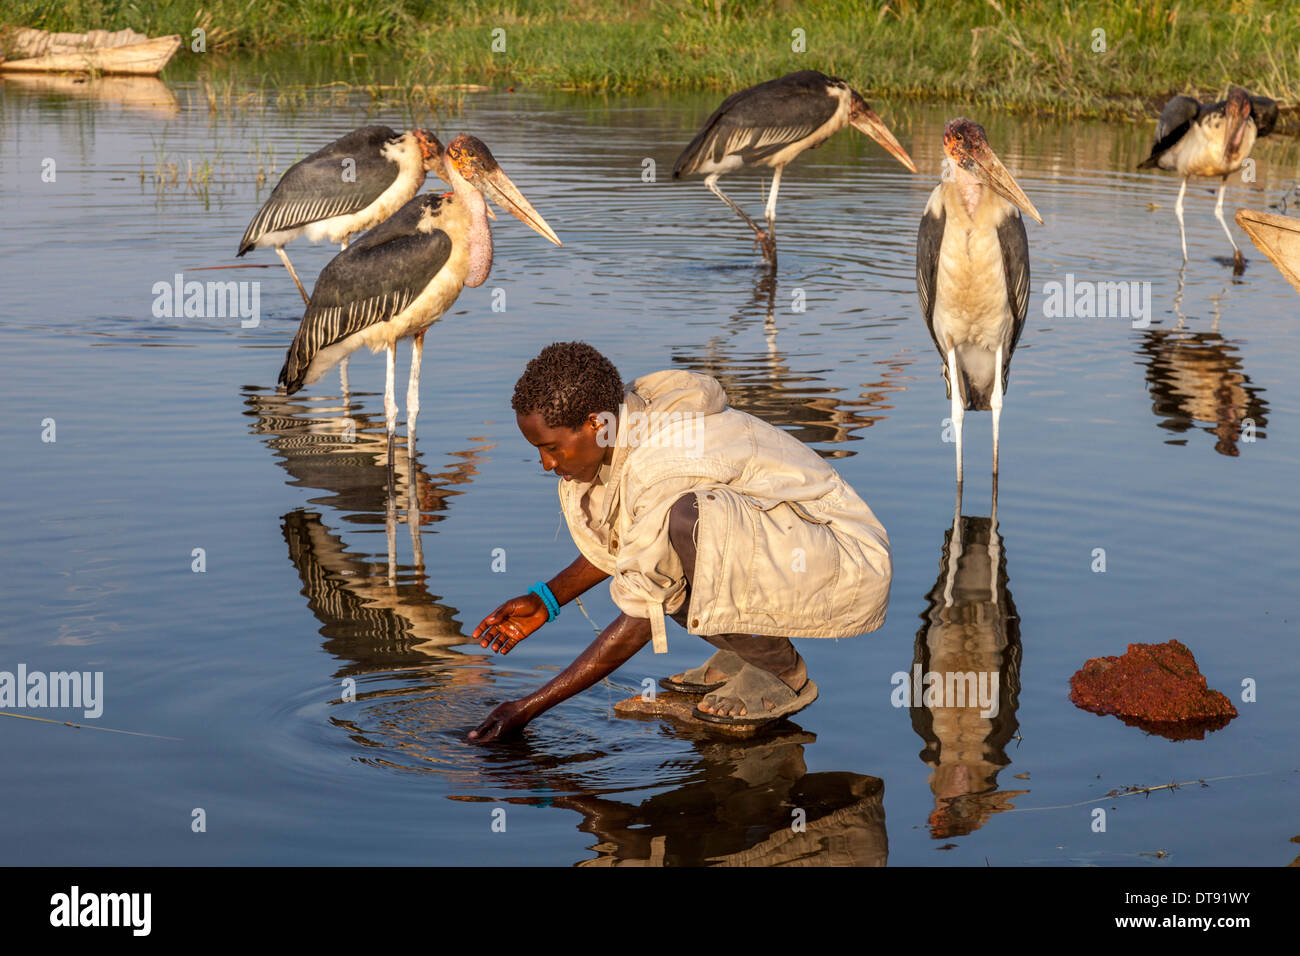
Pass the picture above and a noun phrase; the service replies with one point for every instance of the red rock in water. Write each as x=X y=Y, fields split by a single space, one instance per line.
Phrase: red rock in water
x=1157 y=687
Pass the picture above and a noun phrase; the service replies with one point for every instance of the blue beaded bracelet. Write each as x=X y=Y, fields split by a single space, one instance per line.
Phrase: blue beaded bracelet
x=552 y=605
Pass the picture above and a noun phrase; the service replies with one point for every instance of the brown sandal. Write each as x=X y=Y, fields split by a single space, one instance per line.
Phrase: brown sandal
x=751 y=686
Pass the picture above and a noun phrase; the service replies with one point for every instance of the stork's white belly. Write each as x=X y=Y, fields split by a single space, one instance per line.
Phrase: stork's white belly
x=438 y=296
x=1200 y=151
x=971 y=306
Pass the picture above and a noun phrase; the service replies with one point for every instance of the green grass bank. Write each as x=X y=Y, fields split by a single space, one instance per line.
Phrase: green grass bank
x=1089 y=58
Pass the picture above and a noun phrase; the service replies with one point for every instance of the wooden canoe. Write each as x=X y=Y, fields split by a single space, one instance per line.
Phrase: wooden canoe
x=122 y=53
x=1278 y=237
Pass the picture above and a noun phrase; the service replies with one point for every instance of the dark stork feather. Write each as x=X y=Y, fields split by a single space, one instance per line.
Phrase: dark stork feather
x=929 y=240
x=1015 y=263
x=370 y=282
x=1175 y=120
x=758 y=122
x=314 y=188
x=1265 y=112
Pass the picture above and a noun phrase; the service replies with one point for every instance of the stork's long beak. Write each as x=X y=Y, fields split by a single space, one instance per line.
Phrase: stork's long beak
x=993 y=174
x=866 y=121
x=1236 y=131
x=497 y=186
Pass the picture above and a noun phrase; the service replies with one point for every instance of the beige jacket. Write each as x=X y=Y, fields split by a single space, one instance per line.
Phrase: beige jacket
x=784 y=545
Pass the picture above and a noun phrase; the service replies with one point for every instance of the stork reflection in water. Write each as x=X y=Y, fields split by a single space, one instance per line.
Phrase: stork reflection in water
x=970 y=640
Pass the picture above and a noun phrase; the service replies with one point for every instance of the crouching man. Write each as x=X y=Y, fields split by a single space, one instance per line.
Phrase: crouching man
x=738 y=531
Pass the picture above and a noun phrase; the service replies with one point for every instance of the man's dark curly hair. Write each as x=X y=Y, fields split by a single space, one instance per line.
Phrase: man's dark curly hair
x=567 y=382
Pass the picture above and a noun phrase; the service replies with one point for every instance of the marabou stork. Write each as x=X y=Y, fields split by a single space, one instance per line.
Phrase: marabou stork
x=1210 y=139
x=772 y=123
x=400 y=277
x=972 y=274
x=347 y=187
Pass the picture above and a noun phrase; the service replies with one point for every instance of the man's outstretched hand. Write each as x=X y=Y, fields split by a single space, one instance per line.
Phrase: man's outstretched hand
x=508 y=718
x=607 y=653
x=511 y=623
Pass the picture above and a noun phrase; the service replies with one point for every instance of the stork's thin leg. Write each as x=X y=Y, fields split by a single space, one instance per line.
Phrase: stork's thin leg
x=413 y=388
x=390 y=409
x=284 y=257
x=390 y=421
x=1178 y=296
x=1238 y=260
x=1178 y=211
x=1218 y=214
x=769 y=251
x=712 y=182
x=958 y=405
x=770 y=212
x=995 y=403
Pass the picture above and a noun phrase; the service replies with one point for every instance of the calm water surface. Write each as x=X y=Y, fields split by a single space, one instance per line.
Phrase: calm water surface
x=170 y=438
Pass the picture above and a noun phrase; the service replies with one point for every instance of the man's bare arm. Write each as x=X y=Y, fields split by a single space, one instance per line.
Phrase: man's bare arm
x=615 y=646
x=578 y=578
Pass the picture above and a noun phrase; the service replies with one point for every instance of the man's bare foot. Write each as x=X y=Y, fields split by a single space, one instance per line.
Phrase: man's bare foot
x=794 y=678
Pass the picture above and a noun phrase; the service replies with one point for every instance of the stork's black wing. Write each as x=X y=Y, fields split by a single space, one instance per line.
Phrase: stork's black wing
x=1265 y=112
x=317 y=188
x=762 y=120
x=929 y=240
x=370 y=282
x=1175 y=120
x=1015 y=263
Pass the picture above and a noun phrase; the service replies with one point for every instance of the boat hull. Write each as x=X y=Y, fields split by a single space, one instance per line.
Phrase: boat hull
x=1278 y=237
x=136 y=59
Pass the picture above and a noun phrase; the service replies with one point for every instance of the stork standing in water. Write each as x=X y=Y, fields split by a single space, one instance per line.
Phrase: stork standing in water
x=401 y=276
x=772 y=123
x=1210 y=139
x=347 y=187
x=972 y=274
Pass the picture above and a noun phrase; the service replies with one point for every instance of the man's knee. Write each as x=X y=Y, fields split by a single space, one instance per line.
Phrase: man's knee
x=682 y=519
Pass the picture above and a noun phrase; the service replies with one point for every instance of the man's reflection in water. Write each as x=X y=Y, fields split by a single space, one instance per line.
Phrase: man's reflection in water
x=746 y=803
